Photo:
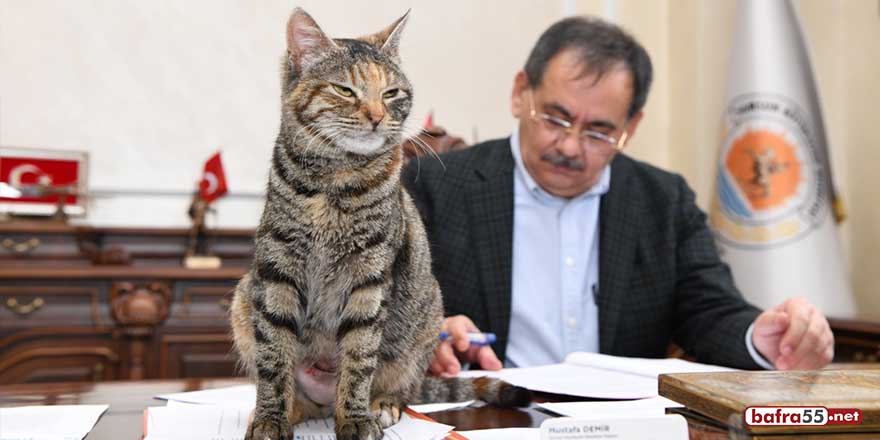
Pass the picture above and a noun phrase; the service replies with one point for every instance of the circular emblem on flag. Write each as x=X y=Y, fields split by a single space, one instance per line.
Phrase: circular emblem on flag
x=770 y=188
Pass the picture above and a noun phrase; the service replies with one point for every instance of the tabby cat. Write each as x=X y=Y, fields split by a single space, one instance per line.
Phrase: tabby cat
x=340 y=313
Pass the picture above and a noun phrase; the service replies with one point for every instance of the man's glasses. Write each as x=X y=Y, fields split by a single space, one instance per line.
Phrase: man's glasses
x=559 y=128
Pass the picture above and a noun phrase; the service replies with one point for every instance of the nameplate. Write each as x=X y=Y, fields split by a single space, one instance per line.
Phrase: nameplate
x=665 y=427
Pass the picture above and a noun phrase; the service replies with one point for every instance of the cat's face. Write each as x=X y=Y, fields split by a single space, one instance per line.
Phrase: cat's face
x=344 y=96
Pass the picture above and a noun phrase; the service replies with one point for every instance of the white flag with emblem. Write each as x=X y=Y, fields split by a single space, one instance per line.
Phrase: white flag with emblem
x=775 y=209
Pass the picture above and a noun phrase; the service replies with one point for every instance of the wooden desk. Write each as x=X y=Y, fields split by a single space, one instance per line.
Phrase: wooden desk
x=128 y=399
x=124 y=420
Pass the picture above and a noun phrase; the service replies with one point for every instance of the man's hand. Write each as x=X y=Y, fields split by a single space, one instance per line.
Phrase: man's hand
x=457 y=349
x=794 y=336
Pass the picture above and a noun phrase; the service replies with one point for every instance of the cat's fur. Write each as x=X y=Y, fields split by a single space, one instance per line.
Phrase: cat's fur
x=340 y=313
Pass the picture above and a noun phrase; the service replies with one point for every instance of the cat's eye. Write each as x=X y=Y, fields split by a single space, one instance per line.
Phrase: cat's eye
x=342 y=90
x=390 y=93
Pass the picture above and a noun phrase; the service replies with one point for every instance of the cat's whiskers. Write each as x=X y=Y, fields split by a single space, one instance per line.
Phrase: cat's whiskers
x=330 y=132
x=316 y=135
x=335 y=137
x=339 y=130
x=405 y=131
x=308 y=128
x=427 y=148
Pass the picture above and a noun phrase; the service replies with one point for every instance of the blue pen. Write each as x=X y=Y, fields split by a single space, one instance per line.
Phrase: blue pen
x=478 y=339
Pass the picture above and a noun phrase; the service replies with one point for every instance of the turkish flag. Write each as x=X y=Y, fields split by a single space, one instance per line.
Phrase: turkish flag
x=20 y=171
x=213 y=183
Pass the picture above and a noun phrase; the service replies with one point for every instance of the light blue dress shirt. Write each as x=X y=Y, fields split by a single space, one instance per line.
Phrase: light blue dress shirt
x=555 y=272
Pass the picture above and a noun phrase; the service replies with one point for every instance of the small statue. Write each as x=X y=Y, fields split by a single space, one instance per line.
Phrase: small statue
x=196 y=245
x=197 y=255
x=211 y=187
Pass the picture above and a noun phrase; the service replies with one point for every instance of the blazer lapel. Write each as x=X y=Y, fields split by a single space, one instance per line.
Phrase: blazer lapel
x=490 y=199
x=618 y=223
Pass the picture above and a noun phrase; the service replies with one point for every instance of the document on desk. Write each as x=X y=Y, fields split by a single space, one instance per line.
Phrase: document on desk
x=597 y=375
x=242 y=395
x=51 y=422
x=503 y=434
x=425 y=408
x=246 y=395
x=641 y=366
x=652 y=406
x=181 y=421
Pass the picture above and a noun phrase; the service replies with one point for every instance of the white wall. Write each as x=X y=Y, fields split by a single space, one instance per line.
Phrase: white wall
x=151 y=89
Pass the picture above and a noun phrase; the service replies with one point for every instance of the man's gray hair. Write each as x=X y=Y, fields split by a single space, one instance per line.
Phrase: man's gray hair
x=601 y=46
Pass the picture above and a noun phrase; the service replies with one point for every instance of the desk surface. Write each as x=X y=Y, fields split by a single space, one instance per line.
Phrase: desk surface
x=128 y=399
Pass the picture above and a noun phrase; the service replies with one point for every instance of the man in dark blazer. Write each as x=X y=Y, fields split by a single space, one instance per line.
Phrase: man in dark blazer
x=656 y=278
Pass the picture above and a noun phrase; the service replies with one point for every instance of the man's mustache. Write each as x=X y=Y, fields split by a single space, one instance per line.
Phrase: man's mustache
x=562 y=161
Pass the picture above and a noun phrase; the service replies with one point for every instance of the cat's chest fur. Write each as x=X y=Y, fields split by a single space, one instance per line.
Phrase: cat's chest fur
x=326 y=222
x=343 y=237
x=338 y=252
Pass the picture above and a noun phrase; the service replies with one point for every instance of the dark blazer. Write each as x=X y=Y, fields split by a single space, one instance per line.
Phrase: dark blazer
x=660 y=277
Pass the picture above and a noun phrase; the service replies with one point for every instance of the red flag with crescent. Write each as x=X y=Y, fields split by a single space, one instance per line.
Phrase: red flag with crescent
x=25 y=171
x=213 y=183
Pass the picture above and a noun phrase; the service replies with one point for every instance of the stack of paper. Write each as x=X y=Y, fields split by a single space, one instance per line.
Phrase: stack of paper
x=597 y=375
x=55 y=422
x=214 y=422
x=222 y=414
x=653 y=406
x=246 y=395
x=503 y=434
x=242 y=395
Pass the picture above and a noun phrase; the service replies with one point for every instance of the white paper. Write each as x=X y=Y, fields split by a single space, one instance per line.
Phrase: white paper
x=242 y=395
x=502 y=434
x=435 y=407
x=51 y=422
x=641 y=366
x=247 y=395
x=653 y=406
x=197 y=422
x=574 y=380
x=596 y=375
x=184 y=421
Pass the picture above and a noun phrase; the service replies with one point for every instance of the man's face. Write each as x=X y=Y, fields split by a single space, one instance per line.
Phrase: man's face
x=567 y=163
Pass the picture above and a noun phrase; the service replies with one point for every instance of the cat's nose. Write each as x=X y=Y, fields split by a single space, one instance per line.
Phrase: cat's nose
x=375 y=116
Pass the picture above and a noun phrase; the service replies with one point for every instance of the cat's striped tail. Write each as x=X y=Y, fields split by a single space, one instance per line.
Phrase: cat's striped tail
x=458 y=389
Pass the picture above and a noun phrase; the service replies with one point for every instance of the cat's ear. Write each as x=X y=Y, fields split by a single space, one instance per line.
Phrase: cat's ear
x=306 y=42
x=388 y=40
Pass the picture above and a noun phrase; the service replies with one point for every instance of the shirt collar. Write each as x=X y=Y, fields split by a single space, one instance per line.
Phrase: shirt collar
x=598 y=189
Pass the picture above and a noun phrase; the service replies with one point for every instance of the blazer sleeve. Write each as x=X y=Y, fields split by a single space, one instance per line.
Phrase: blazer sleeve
x=711 y=313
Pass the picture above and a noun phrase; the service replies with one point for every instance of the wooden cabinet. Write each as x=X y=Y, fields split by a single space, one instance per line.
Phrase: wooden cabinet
x=856 y=341
x=86 y=304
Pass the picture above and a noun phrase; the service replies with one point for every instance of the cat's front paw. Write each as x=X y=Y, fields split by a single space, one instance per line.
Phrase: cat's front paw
x=367 y=428
x=387 y=410
x=267 y=428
